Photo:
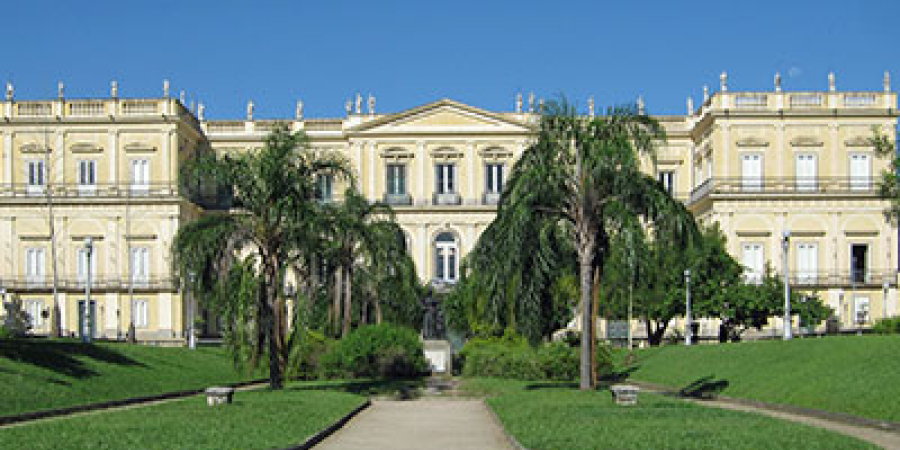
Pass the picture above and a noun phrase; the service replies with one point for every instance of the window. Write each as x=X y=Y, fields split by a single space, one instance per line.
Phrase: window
x=396 y=179
x=445 y=174
x=140 y=313
x=34 y=265
x=37 y=176
x=861 y=309
x=753 y=262
x=667 y=179
x=35 y=310
x=858 y=262
x=860 y=176
x=446 y=249
x=87 y=176
x=83 y=264
x=751 y=172
x=140 y=176
x=140 y=265
x=807 y=262
x=324 y=187
x=494 y=178
x=805 y=172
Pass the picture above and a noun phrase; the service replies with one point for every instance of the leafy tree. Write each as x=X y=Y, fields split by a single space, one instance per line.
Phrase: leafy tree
x=582 y=177
x=17 y=321
x=274 y=193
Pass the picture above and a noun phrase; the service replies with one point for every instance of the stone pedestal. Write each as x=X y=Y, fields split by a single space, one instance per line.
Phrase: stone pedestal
x=439 y=355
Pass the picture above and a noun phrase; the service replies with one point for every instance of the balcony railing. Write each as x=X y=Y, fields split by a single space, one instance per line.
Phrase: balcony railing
x=491 y=198
x=863 y=186
x=398 y=199
x=447 y=198
x=209 y=198
x=98 y=283
x=845 y=278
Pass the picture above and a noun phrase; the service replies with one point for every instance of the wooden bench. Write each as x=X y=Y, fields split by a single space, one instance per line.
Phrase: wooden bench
x=219 y=395
x=625 y=394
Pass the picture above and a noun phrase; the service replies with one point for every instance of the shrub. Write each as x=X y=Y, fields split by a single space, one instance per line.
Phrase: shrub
x=6 y=333
x=376 y=351
x=891 y=325
x=306 y=355
x=515 y=359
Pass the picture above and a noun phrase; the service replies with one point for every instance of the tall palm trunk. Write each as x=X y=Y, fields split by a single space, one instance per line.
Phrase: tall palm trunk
x=377 y=305
x=336 y=305
x=348 y=289
x=595 y=308
x=273 y=316
x=585 y=272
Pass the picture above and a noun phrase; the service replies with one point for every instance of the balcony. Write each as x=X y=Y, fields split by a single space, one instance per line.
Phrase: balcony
x=447 y=198
x=398 y=199
x=106 y=283
x=209 y=198
x=843 y=278
x=780 y=186
x=491 y=198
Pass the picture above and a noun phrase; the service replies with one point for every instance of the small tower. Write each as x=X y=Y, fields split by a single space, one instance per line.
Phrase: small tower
x=519 y=102
x=60 y=90
x=10 y=91
x=690 y=106
x=831 y=84
x=777 y=81
x=200 y=110
x=371 y=105
x=298 y=113
x=114 y=89
x=887 y=81
x=705 y=93
x=250 y=110
x=723 y=82
x=166 y=88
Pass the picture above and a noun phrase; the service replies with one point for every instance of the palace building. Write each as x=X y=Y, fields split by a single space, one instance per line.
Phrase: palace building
x=104 y=171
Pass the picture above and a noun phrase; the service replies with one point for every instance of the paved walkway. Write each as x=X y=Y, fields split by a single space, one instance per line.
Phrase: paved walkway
x=427 y=424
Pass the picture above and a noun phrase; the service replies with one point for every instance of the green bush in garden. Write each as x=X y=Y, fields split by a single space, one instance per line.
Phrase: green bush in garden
x=890 y=325
x=513 y=358
x=376 y=351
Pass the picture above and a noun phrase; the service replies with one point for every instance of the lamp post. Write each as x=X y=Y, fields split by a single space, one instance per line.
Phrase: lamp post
x=192 y=340
x=885 y=286
x=687 y=317
x=86 y=313
x=785 y=243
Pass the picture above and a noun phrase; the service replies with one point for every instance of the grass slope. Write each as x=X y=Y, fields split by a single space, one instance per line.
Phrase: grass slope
x=45 y=374
x=554 y=416
x=854 y=374
x=256 y=420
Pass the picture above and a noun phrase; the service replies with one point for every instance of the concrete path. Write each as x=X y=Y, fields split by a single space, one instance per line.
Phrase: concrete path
x=427 y=424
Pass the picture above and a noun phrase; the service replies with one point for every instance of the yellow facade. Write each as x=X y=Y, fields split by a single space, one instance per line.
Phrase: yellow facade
x=757 y=163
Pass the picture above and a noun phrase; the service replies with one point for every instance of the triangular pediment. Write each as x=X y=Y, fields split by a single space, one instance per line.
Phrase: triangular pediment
x=444 y=116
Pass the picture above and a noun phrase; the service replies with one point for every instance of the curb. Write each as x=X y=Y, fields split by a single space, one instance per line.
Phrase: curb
x=509 y=437
x=48 y=413
x=842 y=418
x=329 y=430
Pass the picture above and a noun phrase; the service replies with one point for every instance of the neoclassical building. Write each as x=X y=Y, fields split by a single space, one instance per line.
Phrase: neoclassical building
x=758 y=163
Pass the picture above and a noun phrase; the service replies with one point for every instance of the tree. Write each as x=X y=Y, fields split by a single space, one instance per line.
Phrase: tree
x=274 y=193
x=582 y=174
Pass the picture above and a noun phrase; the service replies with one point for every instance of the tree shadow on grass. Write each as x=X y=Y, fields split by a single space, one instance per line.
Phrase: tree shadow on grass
x=551 y=385
x=402 y=389
x=62 y=357
x=704 y=388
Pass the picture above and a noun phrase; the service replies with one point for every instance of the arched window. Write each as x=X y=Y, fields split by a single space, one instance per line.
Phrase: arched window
x=446 y=252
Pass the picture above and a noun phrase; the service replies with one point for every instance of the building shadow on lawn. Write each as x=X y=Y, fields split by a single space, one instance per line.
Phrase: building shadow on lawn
x=62 y=357
x=705 y=388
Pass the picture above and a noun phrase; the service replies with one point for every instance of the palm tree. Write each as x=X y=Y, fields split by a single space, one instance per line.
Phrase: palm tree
x=367 y=246
x=274 y=192
x=585 y=173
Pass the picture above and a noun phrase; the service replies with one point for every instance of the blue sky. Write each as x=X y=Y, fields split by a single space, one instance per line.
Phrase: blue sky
x=408 y=53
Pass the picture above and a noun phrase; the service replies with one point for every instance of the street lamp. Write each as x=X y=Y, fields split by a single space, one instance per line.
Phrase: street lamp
x=192 y=340
x=785 y=243
x=86 y=313
x=885 y=285
x=687 y=316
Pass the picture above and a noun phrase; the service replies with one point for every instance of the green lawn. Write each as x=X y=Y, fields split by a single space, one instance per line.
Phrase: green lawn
x=256 y=420
x=853 y=374
x=43 y=374
x=554 y=416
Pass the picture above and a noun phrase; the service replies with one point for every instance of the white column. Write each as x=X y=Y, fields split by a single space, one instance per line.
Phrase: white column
x=357 y=150
x=7 y=157
x=473 y=171
x=113 y=151
x=58 y=159
x=166 y=158
x=726 y=148
x=370 y=148
x=165 y=311
x=424 y=250
x=834 y=150
x=780 y=150
x=421 y=156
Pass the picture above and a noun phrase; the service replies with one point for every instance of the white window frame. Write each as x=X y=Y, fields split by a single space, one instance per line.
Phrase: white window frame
x=807 y=262
x=395 y=178
x=81 y=267
x=446 y=259
x=445 y=178
x=860 y=182
x=35 y=265
x=140 y=312
x=753 y=270
x=861 y=310
x=325 y=187
x=140 y=265
x=140 y=176
x=752 y=182
x=87 y=176
x=34 y=308
x=494 y=177
x=806 y=181
x=36 y=176
x=667 y=179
